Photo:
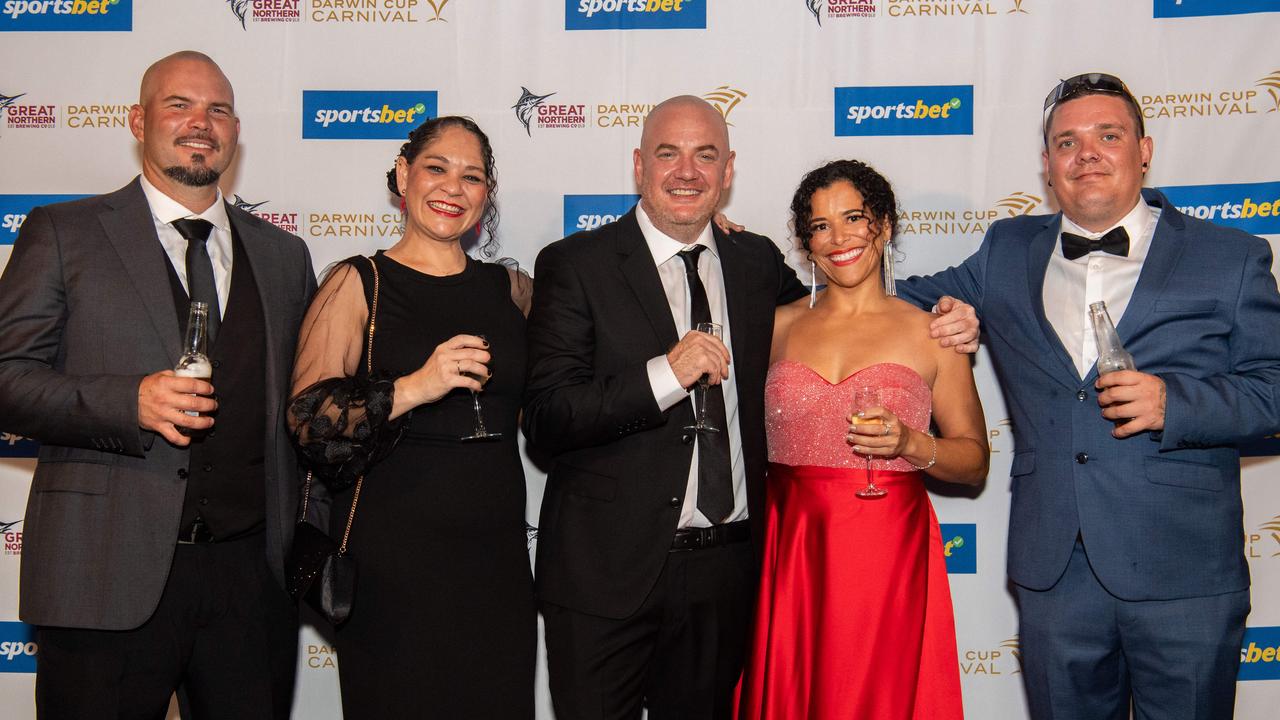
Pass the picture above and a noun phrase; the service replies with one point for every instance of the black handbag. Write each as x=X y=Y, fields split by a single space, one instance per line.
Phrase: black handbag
x=319 y=570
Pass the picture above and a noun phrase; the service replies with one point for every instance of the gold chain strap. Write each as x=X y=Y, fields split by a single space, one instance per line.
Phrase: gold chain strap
x=368 y=365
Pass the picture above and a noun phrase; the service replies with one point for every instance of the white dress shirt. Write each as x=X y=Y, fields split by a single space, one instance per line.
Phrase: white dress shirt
x=1070 y=286
x=165 y=210
x=666 y=388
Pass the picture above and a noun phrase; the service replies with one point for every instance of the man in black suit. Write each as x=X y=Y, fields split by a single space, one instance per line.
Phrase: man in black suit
x=645 y=572
x=154 y=558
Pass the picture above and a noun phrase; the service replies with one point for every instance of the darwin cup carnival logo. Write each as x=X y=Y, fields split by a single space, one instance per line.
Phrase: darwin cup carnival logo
x=999 y=659
x=11 y=536
x=965 y=221
x=287 y=221
x=1264 y=542
x=844 y=9
x=1260 y=98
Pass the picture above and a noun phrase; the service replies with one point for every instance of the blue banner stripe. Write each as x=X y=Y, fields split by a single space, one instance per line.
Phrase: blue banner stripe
x=67 y=15
x=587 y=212
x=1251 y=207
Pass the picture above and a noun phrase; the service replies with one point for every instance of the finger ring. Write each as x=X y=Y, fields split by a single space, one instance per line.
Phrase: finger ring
x=458 y=363
x=887 y=428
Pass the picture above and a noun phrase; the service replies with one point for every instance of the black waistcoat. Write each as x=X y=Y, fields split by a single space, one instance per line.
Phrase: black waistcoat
x=226 y=481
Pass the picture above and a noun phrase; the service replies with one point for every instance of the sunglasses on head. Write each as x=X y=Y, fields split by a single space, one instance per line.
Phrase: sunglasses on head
x=1089 y=84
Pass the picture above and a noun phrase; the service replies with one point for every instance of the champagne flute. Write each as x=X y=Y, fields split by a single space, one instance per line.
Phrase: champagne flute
x=700 y=391
x=479 y=432
x=864 y=398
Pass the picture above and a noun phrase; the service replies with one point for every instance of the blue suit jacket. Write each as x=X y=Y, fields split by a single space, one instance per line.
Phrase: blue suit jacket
x=1160 y=513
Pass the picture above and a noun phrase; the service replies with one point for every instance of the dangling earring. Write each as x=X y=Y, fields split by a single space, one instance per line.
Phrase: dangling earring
x=890 y=288
x=813 y=282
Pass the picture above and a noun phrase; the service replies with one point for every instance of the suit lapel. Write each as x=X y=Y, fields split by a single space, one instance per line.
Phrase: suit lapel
x=132 y=233
x=265 y=263
x=1042 y=246
x=641 y=275
x=734 y=269
x=1162 y=256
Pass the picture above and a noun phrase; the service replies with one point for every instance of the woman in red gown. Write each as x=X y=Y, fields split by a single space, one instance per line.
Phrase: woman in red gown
x=854 y=618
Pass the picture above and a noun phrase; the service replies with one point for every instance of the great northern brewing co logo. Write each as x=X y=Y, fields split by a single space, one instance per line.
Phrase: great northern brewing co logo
x=844 y=9
x=287 y=221
x=11 y=536
x=966 y=221
x=265 y=11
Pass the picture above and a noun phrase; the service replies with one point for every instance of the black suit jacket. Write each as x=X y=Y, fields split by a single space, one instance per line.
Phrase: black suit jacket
x=86 y=310
x=614 y=493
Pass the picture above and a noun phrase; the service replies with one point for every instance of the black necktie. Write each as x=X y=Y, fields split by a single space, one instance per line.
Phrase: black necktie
x=1116 y=242
x=200 y=284
x=715 y=478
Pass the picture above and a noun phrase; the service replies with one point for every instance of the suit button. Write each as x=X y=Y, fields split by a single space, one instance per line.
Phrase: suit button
x=674 y=502
x=1082 y=396
x=217 y=364
x=207 y=467
x=182 y=473
x=1082 y=458
x=687 y=438
x=204 y=501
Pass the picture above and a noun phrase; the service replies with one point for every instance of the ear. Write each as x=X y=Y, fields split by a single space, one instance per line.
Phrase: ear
x=136 y=117
x=638 y=167
x=402 y=174
x=728 y=171
x=1146 y=148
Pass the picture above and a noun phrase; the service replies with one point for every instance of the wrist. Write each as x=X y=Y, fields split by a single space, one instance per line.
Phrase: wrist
x=931 y=458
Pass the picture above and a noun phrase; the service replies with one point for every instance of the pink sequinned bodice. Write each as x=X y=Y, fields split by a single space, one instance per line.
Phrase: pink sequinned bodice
x=806 y=417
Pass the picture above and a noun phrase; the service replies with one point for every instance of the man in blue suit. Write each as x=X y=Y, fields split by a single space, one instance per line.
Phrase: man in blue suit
x=1125 y=542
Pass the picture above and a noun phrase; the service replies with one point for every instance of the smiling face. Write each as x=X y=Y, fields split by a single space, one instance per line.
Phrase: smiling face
x=683 y=166
x=846 y=243
x=1095 y=160
x=444 y=187
x=185 y=119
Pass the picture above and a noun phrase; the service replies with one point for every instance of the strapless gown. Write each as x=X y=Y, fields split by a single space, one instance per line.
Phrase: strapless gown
x=854 y=618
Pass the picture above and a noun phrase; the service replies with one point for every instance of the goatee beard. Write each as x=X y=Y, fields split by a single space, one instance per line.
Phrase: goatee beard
x=199 y=176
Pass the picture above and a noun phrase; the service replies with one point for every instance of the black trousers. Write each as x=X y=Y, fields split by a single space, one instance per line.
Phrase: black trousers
x=680 y=654
x=224 y=630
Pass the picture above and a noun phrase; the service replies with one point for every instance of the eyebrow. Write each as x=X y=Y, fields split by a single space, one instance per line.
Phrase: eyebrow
x=700 y=148
x=1099 y=126
x=184 y=98
x=446 y=161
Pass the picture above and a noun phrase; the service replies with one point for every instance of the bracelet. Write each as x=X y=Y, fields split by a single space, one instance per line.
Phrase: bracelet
x=932 y=460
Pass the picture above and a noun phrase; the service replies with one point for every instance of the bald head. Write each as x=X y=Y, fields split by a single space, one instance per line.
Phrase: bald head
x=683 y=166
x=152 y=78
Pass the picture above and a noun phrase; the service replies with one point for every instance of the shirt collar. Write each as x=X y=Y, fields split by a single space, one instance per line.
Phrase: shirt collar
x=166 y=209
x=1135 y=223
x=663 y=247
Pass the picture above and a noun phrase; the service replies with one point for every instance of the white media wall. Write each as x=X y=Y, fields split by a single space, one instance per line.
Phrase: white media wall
x=943 y=96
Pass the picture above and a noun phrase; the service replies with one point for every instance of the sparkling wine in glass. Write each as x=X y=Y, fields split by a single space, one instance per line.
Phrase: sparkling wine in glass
x=864 y=398
x=479 y=432
x=700 y=391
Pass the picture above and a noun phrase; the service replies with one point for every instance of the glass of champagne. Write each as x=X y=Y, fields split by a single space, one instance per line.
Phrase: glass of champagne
x=700 y=391
x=479 y=432
x=865 y=398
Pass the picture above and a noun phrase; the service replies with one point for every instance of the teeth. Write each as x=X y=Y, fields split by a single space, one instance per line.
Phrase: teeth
x=445 y=207
x=850 y=254
x=684 y=191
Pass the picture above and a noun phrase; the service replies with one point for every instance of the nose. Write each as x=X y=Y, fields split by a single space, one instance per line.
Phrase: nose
x=685 y=169
x=1088 y=151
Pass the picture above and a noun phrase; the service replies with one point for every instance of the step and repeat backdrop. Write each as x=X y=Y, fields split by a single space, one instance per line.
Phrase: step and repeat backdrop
x=943 y=96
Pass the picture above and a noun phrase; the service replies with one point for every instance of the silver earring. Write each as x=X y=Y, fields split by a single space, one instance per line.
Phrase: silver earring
x=890 y=288
x=813 y=283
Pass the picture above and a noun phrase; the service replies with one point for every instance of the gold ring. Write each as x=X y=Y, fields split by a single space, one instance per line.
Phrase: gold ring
x=458 y=363
x=886 y=429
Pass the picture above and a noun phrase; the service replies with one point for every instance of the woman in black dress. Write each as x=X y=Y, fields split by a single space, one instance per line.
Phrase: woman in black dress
x=443 y=623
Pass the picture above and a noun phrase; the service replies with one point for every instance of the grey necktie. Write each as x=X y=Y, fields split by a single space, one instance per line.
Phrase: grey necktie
x=200 y=284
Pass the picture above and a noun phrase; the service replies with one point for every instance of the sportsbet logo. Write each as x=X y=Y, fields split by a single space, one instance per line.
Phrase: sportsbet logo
x=1260 y=654
x=588 y=212
x=67 y=15
x=634 y=14
x=960 y=547
x=361 y=115
x=904 y=110
x=14 y=209
x=17 y=647
x=1252 y=207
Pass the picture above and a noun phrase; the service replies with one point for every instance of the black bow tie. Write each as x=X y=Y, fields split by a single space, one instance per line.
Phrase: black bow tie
x=1116 y=242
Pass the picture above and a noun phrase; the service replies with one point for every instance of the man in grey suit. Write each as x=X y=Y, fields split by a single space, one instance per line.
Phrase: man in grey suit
x=154 y=538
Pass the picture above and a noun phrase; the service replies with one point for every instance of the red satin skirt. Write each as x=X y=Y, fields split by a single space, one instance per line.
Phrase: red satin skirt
x=854 y=618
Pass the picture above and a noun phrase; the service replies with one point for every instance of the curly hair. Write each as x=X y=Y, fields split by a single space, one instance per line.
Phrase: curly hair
x=424 y=135
x=877 y=195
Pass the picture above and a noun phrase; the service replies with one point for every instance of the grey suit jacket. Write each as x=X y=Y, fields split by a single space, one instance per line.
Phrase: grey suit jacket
x=86 y=312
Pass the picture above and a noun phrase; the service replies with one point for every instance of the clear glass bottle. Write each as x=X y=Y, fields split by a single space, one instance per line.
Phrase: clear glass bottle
x=1111 y=354
x=194 y=363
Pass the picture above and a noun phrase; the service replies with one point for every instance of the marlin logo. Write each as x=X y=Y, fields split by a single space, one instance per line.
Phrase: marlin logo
x=7 y=526
x=7 y=100
x=815 y=7
x=240 y=8
x=525 y=105
x=246 y=205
